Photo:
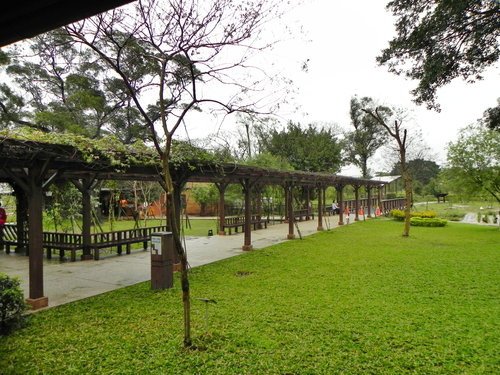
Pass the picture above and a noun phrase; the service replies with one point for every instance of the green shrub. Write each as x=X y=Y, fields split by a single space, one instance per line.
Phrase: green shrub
x=397 y=214
x=454 y=216
x=427 y=222
x=400 y=214
x=12 y=305
x=424 y=214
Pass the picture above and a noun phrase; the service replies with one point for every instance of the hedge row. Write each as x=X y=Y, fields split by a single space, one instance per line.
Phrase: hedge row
x=427 y=222
x=400 y=214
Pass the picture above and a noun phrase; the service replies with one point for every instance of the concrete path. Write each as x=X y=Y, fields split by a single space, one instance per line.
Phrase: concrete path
x=71 y=281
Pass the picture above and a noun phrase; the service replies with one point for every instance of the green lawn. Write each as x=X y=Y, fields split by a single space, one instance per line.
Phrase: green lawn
x=197 y=227
x=356 y=300
x=457 y=210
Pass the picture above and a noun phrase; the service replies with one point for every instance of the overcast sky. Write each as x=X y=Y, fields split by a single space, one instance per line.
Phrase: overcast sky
x=341 y=39
x=345 y=39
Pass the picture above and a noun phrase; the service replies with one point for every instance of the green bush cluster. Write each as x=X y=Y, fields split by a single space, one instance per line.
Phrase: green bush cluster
x=12 y=305
x=454 y=216
x=427 y=222
x=428 y=214
x=400 y=214
x=397 y=214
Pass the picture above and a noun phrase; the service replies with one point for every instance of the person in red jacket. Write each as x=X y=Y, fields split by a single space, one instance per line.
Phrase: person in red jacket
x=347 y=214
x=3 y=219
x=3 y=216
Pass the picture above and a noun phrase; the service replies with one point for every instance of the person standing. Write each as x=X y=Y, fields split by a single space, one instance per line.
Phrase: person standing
x=347 y=213
x=3 y=220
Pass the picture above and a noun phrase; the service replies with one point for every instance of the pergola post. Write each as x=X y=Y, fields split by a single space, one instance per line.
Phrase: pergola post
x=21 y=218
x=340 y=198
x=85 y=188
x=308 y=202
x=324 y=199
x=379 y=198
x=247 y=244
x=369 y=202
x=258 y=205
x=35 y=223
x=222 y=210
x=356 y=202
x=321 y=206
x=289 y=208
x=285 y=206
x=86 y=224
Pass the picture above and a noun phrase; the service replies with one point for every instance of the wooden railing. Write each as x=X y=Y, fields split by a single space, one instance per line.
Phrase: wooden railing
x=387 y=204
x=392 y=204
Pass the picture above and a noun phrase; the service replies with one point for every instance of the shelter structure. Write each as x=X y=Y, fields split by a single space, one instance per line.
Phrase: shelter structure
x=26 y=18
x=31 y=167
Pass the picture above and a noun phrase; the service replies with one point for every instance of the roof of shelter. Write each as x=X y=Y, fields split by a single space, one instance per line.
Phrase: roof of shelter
x=26 y=18
x=68 y=162
x=386 y=179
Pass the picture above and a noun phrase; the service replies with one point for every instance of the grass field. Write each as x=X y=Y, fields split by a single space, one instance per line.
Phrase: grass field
x=196 y=227
x=356 y=300
x=455 y=211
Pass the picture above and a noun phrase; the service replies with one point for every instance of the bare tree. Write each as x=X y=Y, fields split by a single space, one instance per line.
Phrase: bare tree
x=252 y=133
x=168 y=50
x=400 y=135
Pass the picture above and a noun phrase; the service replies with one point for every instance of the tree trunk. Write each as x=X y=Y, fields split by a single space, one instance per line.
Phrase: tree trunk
x=248 y=141
x=408 y=194
x=172 y=215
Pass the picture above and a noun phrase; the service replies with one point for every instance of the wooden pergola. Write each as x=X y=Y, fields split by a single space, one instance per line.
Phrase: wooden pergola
x=23 y=19
x=31 y=167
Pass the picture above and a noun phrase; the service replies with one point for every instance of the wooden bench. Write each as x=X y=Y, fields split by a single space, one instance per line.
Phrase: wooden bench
x=235 y=222
x=51 y=241
x=302 y=214
x=62 y=242
x=123 y=238
x=9 y=237
x=73 y=242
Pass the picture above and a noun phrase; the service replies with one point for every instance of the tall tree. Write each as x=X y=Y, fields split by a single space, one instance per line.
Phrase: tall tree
x=491 y=117
x=400 y=135
x=368 y=136
x=168 y=50
x=422 y=171
x=474 y=160
x=440 y=40
x=252 y=134
x=314 y=148
x=56 y=87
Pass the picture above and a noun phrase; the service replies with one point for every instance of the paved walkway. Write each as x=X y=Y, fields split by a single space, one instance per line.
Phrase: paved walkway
x=71 y=281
